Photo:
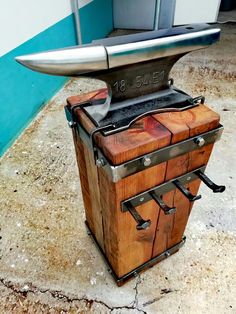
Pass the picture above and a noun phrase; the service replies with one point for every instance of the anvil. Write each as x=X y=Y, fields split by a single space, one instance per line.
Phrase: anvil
x=135 y=68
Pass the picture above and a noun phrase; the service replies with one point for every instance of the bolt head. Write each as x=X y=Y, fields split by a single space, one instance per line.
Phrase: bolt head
x=146 y=161
x=100 y=162
x=200 y=141
x=143 y=224
x=71 y=124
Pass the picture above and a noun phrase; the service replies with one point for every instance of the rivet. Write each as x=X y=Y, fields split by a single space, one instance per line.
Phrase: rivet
x=146 y=161
x=141 y=199
x=200 y=141
x=135 y=274
x=100 y=162
x=71 y=124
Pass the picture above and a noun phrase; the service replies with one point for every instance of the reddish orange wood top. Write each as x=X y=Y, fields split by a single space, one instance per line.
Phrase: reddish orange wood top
x=150 y=133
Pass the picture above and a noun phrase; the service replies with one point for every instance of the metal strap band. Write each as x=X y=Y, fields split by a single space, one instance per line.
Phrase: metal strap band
x=133 y=166
x=119 y=172
x=133 y=273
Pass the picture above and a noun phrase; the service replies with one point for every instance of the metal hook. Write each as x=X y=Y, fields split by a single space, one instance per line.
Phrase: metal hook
x=167 y=210
x=186 y=192
x=141 y=223
x=214 y=187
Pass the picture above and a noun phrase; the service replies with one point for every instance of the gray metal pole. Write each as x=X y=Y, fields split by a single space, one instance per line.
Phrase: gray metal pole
x=157 y=14
x=75 y=9
x=166 y=13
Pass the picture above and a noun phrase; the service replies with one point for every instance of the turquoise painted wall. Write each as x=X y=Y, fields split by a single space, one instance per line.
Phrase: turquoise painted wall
x=96 y=20
x=23 y=92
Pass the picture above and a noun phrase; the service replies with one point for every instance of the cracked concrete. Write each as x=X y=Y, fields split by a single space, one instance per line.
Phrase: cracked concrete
x=26 y=291
x=48 y=263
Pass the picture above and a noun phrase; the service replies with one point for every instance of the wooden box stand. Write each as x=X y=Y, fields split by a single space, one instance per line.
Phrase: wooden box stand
x=128 y=250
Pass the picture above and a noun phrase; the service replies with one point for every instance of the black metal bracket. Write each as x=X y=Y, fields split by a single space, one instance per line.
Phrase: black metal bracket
x=122 y=118
x=166 y=209
x=142 y=224
x=156 y=192
x=185 y=192
x=123 y=115
x=205 y=179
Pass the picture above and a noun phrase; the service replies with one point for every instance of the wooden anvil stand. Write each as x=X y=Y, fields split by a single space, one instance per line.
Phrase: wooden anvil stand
x=128 y=247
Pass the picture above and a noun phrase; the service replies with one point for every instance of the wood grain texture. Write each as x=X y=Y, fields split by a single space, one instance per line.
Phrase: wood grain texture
x=144 y=136
x=88 y=172
x=139 y=140
x=175 y=123
x=94 y=188
x=175 y=167
x=81 y=161
x=90 y=188
x=182 y=126
x=125 y=246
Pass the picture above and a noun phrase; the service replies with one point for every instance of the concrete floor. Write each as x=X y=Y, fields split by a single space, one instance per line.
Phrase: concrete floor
x=227 y=16
x=48 y=263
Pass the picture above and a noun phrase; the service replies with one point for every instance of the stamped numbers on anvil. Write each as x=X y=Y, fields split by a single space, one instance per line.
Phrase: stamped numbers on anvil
x=139 y=81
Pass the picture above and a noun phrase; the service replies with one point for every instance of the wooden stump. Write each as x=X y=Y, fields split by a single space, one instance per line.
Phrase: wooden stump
x=125 y=247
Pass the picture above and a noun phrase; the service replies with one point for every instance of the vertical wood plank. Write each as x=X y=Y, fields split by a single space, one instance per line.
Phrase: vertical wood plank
x=93 y=182
x=175 y=123
x=88 y=172
x=183 y=125
x=125 y=246
x=81 y=161
x=163 y=227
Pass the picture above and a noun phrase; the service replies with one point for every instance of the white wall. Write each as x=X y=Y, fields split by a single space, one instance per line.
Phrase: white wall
x=196 y=11
x=21 y=20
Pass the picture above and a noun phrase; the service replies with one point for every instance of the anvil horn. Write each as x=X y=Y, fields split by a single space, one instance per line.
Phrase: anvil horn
x=66 y=62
